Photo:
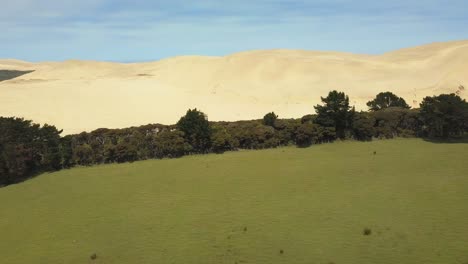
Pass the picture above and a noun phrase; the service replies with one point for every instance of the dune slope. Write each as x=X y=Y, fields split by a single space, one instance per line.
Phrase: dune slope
x=85 y=95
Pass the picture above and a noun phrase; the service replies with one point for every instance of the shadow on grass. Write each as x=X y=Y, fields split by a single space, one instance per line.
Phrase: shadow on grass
x=30 y=176
x=453 y=140
x=19 y=181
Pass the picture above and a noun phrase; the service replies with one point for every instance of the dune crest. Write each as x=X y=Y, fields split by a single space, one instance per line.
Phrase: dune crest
x=85 y=95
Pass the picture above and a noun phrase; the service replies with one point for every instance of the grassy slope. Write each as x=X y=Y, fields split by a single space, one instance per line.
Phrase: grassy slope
x=312 y=203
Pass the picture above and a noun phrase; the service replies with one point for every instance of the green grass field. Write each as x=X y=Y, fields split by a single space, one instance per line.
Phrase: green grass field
x=249 y=206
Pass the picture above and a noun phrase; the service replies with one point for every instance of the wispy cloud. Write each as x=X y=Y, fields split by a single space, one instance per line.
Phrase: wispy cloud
x=143 y=30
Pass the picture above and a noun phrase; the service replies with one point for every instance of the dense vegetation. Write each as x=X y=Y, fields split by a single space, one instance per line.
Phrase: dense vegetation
x=331 y=203
x=386 y=100
x=11 y=74
x=27 y=149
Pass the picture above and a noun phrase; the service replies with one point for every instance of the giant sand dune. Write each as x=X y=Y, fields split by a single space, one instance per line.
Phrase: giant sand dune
x=84 y=95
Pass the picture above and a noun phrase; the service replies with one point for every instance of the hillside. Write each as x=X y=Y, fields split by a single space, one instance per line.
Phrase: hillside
x=286 y=205
x=85 y=95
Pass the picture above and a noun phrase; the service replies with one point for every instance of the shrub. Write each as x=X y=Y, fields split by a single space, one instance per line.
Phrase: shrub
x=269 y=119
x=367 y=231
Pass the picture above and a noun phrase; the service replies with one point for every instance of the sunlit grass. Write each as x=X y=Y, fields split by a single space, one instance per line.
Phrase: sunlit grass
x=284 y=205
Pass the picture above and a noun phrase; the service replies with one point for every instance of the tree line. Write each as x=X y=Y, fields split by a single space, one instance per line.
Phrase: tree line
x=27 y=149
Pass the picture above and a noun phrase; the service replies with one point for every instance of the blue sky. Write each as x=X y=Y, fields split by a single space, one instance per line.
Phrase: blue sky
x=137 y=30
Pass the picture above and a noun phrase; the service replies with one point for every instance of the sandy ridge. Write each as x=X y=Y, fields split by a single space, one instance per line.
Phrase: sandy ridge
x=84 y=95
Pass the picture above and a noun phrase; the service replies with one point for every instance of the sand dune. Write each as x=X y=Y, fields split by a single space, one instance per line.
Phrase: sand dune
x=85 y=95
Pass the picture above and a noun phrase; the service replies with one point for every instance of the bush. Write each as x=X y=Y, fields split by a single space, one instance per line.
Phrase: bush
x=221 y=140
x=395 y=121
x=386 y=100
x=83 y=154
x=269 y=119
x=363 y=126
x=367 y=232
x=171 y=144
x=308 y=134
x=196 y=130
x=27 y=149
x=444 y=116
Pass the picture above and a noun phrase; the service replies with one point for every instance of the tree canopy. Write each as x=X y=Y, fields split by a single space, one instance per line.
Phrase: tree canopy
x=386 y=100
x=444 y=115
x=196 y=130
x=335 y=112
x=27 y=149
x=269 y=119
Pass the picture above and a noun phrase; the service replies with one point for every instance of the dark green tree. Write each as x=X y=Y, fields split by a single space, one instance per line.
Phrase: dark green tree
x=363 y=126
x=252 y=134
x=97 y=139
x=395 y=122
x=126 y=152
x=444 y=116
x=221 y=140
x=196 y=130
x=285 y=130
x=66 y=151
x=270 y=119
x=385 y=100
x=110 y=153
x=27 y=149
x=171 y=144
x=49 y=148
x=308 y=119
x=335 y=112
x=309 y=133
x=264 y=137
x=305 y=134
x=83 y=155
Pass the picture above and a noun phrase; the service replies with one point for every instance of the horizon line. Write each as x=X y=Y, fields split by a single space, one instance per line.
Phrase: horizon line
x=238 y=52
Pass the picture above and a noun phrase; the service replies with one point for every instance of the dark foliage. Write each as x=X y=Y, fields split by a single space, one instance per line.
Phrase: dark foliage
x=196 y=130
x=125 y=151
x=27 y=148
x=252 y=134
x=270 y=119
x=444 y=116
x=386 y=100
x=367 y=232
x=363 y=126
x=171 y=144
x=66 y=151
x=308 y=119
x=285 y=130
x=396 y=122
x=308 y=134
x=221 y=140
x=335 y=112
